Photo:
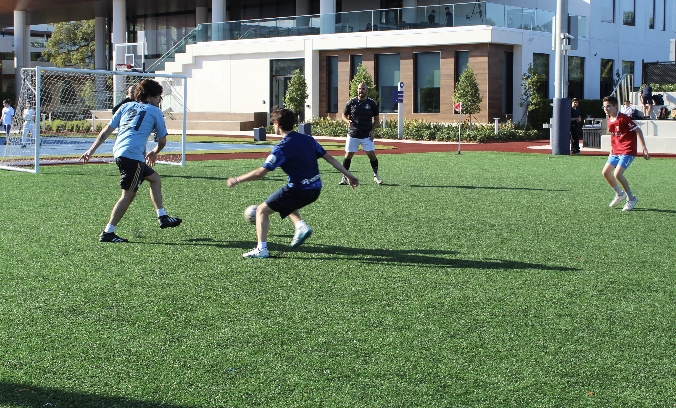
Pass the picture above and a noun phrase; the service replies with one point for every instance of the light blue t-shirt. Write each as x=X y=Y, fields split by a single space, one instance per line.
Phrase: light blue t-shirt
x=136 y=120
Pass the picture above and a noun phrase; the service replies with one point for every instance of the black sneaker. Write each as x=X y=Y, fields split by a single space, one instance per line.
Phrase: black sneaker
x=168 y=222
x=111 y=237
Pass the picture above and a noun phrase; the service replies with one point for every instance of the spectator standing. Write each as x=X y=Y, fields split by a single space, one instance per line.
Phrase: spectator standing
x=575 y=119
x=647 y=100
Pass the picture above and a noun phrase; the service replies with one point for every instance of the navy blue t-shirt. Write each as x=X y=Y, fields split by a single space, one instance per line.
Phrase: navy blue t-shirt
x=297 y=155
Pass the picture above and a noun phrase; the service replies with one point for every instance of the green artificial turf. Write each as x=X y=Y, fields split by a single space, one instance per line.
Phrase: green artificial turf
x=480 y=280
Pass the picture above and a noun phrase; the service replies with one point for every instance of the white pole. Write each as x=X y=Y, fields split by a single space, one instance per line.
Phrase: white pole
x=185 y=113
x=36 y=126
x=459 y=127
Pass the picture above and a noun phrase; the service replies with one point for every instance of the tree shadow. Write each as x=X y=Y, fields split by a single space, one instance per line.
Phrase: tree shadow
x=488 y=188
x=25 y=395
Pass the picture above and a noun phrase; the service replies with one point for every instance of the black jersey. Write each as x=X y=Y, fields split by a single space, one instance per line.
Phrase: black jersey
x=361 y=113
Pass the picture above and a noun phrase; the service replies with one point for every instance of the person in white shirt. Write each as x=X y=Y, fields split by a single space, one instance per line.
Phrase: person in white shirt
x=7 y=115
x=28 y=124
x=627 y=109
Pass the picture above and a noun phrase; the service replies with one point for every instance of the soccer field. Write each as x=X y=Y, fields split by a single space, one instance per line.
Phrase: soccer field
x=481 y=280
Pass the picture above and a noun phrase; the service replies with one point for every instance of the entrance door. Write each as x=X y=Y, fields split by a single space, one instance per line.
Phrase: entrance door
x=279 y=86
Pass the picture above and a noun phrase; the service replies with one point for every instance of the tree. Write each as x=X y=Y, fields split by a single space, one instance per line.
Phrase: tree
x=530 y=97
x=296 y=94
x=72 y=44
x=467 y=92
x=362 y=75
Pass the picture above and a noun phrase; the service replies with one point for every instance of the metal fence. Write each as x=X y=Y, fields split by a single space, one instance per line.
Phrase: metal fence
x=660 y=73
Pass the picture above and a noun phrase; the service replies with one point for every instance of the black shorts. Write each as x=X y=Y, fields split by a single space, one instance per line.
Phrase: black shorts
x=132 y=173
x=287 y=200
x=647 y=100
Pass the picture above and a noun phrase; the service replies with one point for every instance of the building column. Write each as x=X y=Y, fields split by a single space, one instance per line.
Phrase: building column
x=100 y=43
x=218 y=17
x=327 y=21
x=302 y=7
x=409 y=14
x=312 y=80
x=20 y=40
x=201 y=15
x=119 y=25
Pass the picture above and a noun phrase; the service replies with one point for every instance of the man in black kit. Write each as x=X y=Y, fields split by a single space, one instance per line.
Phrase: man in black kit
x=361 y=115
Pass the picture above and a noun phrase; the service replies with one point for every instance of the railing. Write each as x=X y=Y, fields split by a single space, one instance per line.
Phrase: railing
x=468 y=14
x=624 y=88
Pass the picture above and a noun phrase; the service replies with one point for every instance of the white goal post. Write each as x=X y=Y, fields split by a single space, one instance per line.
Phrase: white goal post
x=60 y=112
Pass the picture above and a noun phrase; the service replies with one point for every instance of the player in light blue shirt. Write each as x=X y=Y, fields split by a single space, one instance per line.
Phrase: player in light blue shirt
x=135 y=121
x=297 y=156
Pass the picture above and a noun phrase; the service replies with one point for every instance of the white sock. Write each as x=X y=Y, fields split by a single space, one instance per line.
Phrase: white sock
x=618 y=189
x=262 y=245
x=161 y=212
x=630 y=195
x=109 y=228
x=300 y=224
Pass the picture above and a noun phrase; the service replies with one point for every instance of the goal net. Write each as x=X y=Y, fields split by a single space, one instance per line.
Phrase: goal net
x=60 y=112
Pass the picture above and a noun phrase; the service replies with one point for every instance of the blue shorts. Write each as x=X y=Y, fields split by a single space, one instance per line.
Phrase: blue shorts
x=621 y=160
x=287 y=200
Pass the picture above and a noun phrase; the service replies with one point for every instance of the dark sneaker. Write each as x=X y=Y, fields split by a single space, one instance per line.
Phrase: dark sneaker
x=111 y=237
x=168 y=222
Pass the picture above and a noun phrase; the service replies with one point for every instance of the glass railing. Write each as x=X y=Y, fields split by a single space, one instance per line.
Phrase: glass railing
x=457 y=15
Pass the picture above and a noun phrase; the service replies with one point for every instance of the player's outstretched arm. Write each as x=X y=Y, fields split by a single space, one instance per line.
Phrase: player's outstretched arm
x=354 y=182
x=250 y=176
x=105 y=133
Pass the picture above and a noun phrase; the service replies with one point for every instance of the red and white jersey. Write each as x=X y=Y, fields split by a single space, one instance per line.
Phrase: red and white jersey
x=622 y=135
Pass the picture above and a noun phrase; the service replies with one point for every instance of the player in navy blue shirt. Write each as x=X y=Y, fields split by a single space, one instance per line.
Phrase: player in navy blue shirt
x=134 y=122
x=297 y=156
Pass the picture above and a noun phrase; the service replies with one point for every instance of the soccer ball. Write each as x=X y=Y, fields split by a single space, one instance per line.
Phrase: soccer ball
x=250 y=214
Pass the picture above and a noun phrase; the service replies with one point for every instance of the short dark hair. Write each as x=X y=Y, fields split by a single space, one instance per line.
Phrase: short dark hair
x=284 y=117
x=146 y=89
x=610 y=99
x=575 y=100
x=7 y=101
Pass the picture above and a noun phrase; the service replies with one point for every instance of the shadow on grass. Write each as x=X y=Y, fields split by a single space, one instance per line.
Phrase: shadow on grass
x=489 y=188
x=422 y=258
x=24 y=395
x=655 y=210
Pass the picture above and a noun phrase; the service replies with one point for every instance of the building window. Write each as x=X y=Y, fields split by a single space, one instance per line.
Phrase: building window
x=628 y=10
x=355 y=61
x=627 y=67
x=461 y=63
x=427 y=82
x=606 y=77
x=576 y=77
x=508 y=83
x=651 y=14
x=608 y=11
x=387 y=80
x=332 y=76
x=541 y=66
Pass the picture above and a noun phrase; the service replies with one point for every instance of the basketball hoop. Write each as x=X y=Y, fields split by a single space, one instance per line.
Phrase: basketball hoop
x=122 y=67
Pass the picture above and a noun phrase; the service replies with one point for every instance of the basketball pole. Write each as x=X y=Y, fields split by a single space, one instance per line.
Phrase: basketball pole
x=459 y=127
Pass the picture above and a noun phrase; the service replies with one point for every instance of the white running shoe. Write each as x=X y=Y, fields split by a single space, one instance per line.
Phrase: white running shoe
x=630 y=204
x=618 y=198
x=300 y=236
x=257 y=253
x=377 y=179
x=343 y=181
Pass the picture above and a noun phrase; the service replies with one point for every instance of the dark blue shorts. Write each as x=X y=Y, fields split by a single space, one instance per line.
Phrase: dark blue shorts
x=287 y=200
x=132 y=173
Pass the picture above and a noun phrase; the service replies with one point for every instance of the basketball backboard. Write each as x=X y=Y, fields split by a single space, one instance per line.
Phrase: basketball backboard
x=130 y=57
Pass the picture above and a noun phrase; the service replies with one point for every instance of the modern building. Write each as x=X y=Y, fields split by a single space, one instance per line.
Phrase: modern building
x=240 y=54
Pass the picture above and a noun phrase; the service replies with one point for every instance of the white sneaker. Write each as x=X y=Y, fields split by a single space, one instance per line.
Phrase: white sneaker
x=377 y=179
x=618 y=198
x=630 y=204
x=300 y=236
x=343 y=181
x=257 y=253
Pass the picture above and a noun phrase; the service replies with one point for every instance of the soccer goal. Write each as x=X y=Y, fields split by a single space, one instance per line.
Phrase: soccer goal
x=60 y=112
